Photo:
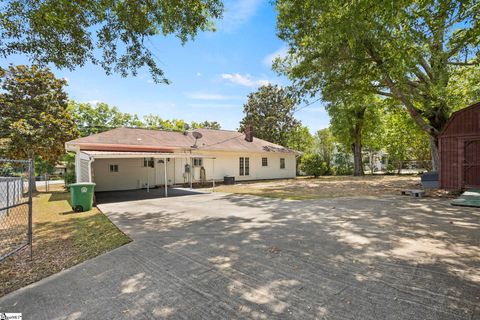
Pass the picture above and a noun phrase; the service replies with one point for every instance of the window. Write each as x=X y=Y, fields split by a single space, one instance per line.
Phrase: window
x=264 y=162
x=244 y=166
x=282 y=163
x=148 y=162
x=197 y=162
x=114 y=168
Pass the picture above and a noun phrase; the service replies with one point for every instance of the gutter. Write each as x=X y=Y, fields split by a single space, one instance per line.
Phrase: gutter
x=118 y=147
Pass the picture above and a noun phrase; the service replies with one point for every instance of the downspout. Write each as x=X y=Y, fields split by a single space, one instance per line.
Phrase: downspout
x=92 y=159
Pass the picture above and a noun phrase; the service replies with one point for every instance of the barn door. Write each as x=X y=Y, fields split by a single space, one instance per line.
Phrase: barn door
x=471 y=163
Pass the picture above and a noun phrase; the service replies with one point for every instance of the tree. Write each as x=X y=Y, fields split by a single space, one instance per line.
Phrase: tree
x=153 y=121
x=406 y=50
x=324 y=145
x=300 y=139
x=92 y=119
x=34 y=119
x=352 y=120
x=403 y=140
x=313 y=165
x=270 y=111
x=112 y=34
x=206 y=125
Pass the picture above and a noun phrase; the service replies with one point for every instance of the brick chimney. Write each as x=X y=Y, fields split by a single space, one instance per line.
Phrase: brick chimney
x=249 y=133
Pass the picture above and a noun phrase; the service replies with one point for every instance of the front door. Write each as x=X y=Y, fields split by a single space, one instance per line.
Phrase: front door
x=471 y=163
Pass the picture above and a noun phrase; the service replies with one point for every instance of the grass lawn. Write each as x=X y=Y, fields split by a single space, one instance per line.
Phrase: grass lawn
x=326 y=187
x=61 y=239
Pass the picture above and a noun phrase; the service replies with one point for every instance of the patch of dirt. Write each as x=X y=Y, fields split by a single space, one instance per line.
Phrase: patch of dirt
x=332 y=187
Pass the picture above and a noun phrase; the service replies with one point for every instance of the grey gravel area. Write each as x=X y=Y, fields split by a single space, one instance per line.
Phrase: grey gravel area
x=219 y=256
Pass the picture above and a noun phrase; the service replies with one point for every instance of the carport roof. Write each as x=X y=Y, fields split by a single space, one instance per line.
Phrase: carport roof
x=121 y=154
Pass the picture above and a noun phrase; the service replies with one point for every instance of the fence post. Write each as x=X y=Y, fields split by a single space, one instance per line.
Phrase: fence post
x=30 y=204
x=8 y=196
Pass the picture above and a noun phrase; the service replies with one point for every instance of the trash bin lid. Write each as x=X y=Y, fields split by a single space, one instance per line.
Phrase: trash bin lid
x=79 y=184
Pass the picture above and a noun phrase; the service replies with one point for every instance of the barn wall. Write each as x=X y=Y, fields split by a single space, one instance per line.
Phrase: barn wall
x=449 y=178
x=464 y=125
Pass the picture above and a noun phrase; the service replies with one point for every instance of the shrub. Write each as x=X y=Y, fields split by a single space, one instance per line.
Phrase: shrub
x=313 y=165
x=69 y=178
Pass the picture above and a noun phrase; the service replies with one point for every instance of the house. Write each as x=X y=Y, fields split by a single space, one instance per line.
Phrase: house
x=132 y=158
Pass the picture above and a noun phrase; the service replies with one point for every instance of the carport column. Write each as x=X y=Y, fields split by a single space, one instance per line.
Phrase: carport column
x=213 y=174
x=165 y=176
x=191 y=172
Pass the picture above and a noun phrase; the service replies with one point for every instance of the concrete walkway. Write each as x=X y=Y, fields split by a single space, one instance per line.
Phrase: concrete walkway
x=217 y=256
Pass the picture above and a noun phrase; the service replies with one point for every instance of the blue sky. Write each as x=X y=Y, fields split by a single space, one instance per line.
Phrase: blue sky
x=211 y=76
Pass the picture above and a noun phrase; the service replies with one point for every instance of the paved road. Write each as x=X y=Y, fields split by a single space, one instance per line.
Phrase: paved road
x=217 y=256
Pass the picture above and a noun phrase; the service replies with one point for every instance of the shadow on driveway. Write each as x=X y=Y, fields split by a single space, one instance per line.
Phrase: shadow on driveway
x=135 y=195
x=217 y=256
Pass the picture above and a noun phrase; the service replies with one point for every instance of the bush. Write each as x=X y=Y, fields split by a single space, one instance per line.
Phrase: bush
x=69 y=178
x=313 y=165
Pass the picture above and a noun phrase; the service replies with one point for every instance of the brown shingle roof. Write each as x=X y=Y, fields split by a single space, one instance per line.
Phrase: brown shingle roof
x=122 y=139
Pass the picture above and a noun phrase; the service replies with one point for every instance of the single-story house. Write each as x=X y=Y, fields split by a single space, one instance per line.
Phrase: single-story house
x=133 y=158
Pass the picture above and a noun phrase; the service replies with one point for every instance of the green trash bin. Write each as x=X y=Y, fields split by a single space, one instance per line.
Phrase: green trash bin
x=81 y=196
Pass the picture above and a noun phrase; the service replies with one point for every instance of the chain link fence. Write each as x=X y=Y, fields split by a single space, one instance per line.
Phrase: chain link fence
x=15 y=206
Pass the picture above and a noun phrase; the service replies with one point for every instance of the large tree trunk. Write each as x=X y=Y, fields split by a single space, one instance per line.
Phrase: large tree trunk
x=357 y=143
x=435 y=152
x=357 y=157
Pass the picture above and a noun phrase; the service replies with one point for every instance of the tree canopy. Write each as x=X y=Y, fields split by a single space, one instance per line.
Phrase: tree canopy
x=112 y=34
x=270 y=111
x=92 y=119
x=410 y=51
x=34 y=119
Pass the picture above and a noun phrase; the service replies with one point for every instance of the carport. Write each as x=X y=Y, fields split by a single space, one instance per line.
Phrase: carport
x=155 y=172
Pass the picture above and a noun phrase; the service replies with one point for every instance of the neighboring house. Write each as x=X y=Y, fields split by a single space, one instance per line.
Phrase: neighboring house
x=131 y=158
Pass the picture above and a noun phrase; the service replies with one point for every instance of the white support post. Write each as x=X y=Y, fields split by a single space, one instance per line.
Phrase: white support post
x=148 y=178
x=191 y=173
x=213 y=174
x=165 y=175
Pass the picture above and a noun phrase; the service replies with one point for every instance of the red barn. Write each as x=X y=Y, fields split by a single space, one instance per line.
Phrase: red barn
x=460 y=150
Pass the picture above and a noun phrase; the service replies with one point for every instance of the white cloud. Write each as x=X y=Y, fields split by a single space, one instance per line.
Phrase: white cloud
x=200 y=95
x=199 y=74
x=244 y=80
x=281 y=53
x=213 y=106
x=238 y=12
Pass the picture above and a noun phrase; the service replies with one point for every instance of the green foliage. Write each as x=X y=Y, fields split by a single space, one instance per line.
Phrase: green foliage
x=43 y=167
x=34 y=119
x=313 y=165
x=300 y=139
x=354 y=122
x=92 y=119
x=343 y=165
x=414 y=52
x=270 y=111
x=324 y=145
x=205 y=125
x=403 y=140
x=152 y=121
x=112 y=34
x=101 y=117
x=69 y=178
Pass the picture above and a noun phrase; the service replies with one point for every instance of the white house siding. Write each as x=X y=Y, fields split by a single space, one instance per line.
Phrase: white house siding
x=227 y=164
x=133 y=175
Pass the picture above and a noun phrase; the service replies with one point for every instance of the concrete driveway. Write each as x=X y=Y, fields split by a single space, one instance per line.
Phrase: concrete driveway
x=218 y=256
